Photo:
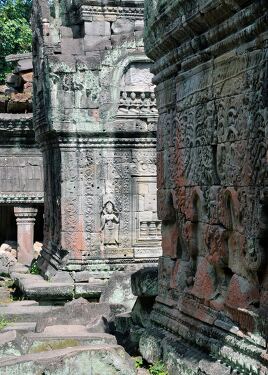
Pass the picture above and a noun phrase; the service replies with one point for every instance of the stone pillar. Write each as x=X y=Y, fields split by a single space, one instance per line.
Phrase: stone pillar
x=25 y=217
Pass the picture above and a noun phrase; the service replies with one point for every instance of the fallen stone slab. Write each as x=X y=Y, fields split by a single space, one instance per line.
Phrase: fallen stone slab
x=24 y=303
x=23 y=313
x=93 y=360
x=59 y=337
x=76 y=312
x=18 y=268
x=118 y=291
x=21 y=327
x=89 y=290
x=55 y=337
x=36 y=287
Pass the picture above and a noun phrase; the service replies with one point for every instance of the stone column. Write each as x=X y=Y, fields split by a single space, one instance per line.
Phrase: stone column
x=25 y=217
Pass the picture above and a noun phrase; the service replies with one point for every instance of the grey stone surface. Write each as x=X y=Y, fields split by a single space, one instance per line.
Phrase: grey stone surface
x=9 y=345
x=21 y=327
x=150 y=347
x=78 y=311
x=99 y=325
x=91 y=289
x=109 y=359
x=97 y=28
x=22 y=313
x=122 y=25
x=56 y=336
x=118 y=290
x=35 y=287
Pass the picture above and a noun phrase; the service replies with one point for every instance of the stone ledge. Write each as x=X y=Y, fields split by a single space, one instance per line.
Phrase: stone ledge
x=109 y=359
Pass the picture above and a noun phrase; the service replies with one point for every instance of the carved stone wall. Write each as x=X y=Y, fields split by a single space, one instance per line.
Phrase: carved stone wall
x=211 y=76
x=95 y=115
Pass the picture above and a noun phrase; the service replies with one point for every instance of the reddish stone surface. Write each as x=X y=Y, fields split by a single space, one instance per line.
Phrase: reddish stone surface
x=170 y=238
x=205 y=281
x=241 y=293
x=25 y=216
x=211 y=87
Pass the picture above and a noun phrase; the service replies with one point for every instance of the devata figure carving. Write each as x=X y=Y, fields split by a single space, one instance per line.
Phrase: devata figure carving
x=109 y=225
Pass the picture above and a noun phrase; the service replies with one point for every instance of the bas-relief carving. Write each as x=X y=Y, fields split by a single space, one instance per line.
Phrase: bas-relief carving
x=101 y=119
x=109 y=226
x=212 y=171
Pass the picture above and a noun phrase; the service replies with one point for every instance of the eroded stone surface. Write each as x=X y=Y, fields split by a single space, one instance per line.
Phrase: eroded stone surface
x=105 y=359
x=118 y=290
x=96 y=121
x=144 y=283
x=210 y=74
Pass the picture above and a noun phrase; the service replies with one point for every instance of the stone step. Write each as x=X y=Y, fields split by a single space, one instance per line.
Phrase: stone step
x=21 y=327
x=53 y=337
x=37 y=288
x=89 y=290
x=21 y=312
x=91 y=359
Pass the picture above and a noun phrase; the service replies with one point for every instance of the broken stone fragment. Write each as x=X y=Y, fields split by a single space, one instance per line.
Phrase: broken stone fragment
x=99 y=325
x=78 y=311
x=37 y=247
x=7 y=258
x=27 y=77
x=118 y=290
x=144 y=283
x=14 y=81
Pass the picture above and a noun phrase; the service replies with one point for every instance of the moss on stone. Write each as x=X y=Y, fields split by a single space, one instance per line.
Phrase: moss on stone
x=54 y=345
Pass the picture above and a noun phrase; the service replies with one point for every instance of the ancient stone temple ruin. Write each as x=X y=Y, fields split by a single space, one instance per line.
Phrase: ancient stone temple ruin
x=95 y=119
x=138 y=150
x=21 y=164
x=211 y=85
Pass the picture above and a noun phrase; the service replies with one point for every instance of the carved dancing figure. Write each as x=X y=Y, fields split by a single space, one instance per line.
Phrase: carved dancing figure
x=109 y=225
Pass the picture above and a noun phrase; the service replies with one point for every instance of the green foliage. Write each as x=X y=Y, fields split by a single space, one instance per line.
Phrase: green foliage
x=158 y=368
x=15 y=31
x=138 y=362
x=34 y=269
x=3 y=322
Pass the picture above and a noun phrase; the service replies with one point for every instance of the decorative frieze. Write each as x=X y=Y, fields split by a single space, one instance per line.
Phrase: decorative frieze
x=137 y=104
x=87 y=12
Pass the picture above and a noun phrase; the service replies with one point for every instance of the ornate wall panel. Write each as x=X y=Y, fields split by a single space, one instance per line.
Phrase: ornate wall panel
x=96 y=116
x=211 y=75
